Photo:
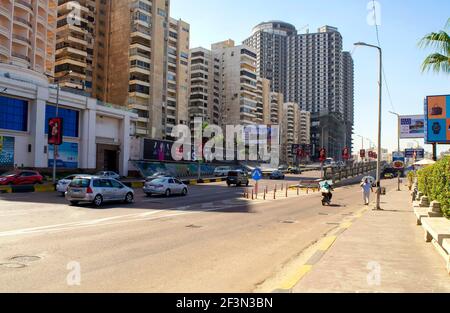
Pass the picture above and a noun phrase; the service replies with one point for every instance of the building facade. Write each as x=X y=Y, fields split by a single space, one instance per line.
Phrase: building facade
x=317 y=75
x=270 y=40
x=28 y=34
x=82 y=46
x=96 y=137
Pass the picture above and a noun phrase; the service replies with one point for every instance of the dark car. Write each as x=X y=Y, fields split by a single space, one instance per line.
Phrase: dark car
x=237 y=178
x=277 y=175
x=21 y=178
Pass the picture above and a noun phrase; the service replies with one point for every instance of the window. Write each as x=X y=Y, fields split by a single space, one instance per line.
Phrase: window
x=70 y=120
x=13 y=114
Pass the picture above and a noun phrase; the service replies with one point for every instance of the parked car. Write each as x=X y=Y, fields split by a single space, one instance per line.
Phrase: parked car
x=21 y=178
x=221 y=171
x=294 y=170
x=63 y=184
x=98 y=190
x=277 y=175
x=283 y=168
x=165 y=186
x=157 y=175
x=237 y=178
x=108 y=174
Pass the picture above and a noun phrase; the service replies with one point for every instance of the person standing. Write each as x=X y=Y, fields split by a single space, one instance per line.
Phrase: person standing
x=366 y=189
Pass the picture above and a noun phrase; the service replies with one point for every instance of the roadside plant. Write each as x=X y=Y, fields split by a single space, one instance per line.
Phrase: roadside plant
x=434 y=182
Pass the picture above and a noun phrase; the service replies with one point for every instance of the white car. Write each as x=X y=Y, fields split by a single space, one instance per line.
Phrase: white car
x=62 y=184
x=108 y=174
x=221 y=171
x=165 y=186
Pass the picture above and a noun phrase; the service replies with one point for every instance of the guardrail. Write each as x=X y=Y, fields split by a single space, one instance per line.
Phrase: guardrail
x=337 y=175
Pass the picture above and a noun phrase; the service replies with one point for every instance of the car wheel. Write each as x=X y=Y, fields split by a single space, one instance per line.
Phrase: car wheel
x=239 y=184
x=148 y=194
x=129 y=198
x=63 y=194
x=167 y=193
x=74 y=202
x=184 y=192
x=98 y=200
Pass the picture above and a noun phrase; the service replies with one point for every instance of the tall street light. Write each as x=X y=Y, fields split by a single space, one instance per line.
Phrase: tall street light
x=380 y=95
x=58 y=88
x=398 y=149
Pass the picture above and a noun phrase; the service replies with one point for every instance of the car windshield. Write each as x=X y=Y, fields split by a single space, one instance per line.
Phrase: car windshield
x=80 y=182
x=159 y=181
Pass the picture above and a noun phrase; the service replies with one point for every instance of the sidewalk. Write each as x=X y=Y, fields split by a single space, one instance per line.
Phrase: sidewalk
x=381 y=251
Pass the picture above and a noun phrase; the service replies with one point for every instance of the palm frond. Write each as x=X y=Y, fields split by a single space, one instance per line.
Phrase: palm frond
x=437 y=63
x=439 y=41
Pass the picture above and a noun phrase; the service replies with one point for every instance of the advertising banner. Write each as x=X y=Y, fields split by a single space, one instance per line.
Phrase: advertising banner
x=66 y=155
x=412 y=126
x=55 y=131
x=417 y=154
x=437 y=125
x=158 y=150
x=6 y=151
x=398 y=160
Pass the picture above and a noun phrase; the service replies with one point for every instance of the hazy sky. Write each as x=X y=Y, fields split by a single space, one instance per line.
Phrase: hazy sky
x=403 y=23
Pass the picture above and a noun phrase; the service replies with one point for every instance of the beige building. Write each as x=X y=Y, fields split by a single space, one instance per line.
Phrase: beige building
x=82 y=46
x=290 y=130
x=263 y=98
x=305 y=128
x=28 y=34
x=150 y=52
x=205 y=79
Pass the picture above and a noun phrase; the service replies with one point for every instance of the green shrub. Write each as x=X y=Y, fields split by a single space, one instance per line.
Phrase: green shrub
x=434 y=182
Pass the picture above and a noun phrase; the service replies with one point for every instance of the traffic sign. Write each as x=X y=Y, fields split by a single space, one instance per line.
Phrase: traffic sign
x=257 y=174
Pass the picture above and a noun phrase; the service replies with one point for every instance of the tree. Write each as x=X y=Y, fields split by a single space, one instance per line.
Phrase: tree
x=439 y=61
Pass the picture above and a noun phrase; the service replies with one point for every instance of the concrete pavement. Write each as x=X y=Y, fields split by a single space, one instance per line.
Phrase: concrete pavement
x=381 y=251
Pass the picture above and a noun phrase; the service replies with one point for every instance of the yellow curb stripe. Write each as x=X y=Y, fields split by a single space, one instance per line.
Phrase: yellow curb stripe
x=327 y=243
x=43 y=188
x=6 y=189
x=137 y=185
x=206 y=181
x=292 y=281
x=193 y=182
x=346 y=225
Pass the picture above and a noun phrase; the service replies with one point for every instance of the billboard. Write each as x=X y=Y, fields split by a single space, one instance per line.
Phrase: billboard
x=412 y=126
x=398 y=160
x=66 y=155
x=417 y=154
x=6 y=151
x=437 y=124
x=158 y=150
x=55 y=131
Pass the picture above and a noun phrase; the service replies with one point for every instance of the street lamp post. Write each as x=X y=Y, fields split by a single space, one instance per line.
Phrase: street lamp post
x=58 y=88
x=362 y=145
x=380 y=95
x=398 y=149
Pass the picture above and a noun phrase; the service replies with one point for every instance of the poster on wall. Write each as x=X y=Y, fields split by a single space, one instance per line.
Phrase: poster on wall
x=437 y=110
x=412 y=126
x=6 y=151
x=67 y=155
x=158 y=150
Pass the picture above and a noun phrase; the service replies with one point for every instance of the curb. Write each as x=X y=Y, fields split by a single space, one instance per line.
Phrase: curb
x=27 y=188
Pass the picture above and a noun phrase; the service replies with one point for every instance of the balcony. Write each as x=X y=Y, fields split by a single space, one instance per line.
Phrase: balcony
x=5 y=12
x=24 y=5
x=22 y=21
x=21 y=39
x=20 y=59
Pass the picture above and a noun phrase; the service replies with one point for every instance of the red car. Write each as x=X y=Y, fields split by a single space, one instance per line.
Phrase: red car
x=21 y=178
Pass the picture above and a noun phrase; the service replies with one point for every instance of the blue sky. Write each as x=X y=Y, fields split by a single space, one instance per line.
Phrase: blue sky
x=403 y=23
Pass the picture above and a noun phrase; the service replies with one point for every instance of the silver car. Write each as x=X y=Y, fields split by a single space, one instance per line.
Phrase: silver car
x=108 y=174
x=62 y=184
x=165 y=186
x=98 y=190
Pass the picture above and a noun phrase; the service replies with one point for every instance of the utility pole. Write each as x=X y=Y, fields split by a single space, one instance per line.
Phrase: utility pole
x=380 y=96
x=398 y=149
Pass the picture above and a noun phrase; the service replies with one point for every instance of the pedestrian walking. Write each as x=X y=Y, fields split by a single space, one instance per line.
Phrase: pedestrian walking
x=366 y=189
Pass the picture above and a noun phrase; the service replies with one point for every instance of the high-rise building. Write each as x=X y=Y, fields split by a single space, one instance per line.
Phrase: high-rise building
x=316 y=76
x=263 y=98
x=28 y=34
x=348 y=96
x=305 y=128
x=291 y=131
x=238 y=82
x=204 y=100
x=148 y=66
x=270 y=40
x=82 y=46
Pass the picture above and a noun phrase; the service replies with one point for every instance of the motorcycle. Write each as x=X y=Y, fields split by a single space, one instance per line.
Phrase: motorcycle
x=326 y=192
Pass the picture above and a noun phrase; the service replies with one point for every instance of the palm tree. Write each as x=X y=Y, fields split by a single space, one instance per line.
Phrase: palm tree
x=440 y=60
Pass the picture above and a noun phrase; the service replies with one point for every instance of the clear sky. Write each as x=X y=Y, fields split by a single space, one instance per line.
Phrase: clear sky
x=403 y=23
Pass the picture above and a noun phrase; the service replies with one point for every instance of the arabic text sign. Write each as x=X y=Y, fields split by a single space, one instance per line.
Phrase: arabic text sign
x=412 y=126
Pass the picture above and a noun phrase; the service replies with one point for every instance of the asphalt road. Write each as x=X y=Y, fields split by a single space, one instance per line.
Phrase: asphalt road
x=213 y=240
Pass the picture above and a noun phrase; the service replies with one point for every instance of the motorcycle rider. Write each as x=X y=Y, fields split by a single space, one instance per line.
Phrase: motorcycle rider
x=326 y=192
